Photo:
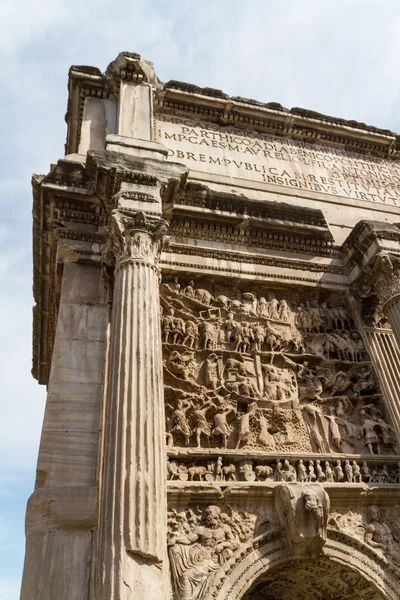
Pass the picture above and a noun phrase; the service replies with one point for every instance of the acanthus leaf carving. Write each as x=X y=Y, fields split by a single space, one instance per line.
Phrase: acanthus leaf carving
x=134 y=236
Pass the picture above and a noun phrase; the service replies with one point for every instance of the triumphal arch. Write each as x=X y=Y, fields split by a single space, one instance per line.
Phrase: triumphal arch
x=217 y=319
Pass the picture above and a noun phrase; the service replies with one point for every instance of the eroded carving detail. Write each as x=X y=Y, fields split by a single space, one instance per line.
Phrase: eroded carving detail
x=261 y=370
x=200 y=542
x=303 y=512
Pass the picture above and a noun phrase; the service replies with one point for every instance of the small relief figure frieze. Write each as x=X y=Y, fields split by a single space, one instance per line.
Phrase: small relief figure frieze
x=268 y=370
x=235 y=468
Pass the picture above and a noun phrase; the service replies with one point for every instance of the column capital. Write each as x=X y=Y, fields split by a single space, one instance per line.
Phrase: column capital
x=134 y=236
x=385 y=277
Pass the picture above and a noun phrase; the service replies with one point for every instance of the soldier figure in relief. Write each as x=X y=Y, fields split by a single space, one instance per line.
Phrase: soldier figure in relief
x=167 y=324
x=221 y=427
x=191 y=333
x=178 y=422
x=377 y=534
x=302 y=475
x=202 y=427
x=244 y=425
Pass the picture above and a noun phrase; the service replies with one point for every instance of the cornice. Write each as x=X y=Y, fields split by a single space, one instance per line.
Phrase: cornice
x=215 y=105
x=272 y=118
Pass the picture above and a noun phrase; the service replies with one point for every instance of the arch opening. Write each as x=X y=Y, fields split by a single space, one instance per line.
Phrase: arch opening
x=320 y=579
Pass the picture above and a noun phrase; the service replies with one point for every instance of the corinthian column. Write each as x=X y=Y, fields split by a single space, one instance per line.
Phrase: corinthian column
x=132 y=543
x=387 y=286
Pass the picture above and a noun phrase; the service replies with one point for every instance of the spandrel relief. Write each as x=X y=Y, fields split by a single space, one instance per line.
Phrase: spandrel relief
x=200 y=541
x=268 y=370
x=374 y=525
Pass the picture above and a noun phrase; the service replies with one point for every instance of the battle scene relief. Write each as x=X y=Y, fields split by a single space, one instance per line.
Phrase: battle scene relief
x=268 y=369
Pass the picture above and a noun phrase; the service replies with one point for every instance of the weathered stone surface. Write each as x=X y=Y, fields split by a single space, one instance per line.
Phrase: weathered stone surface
x=217 y=321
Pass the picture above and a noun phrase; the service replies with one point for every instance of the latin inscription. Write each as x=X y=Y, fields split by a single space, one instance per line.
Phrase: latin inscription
x=259 y=157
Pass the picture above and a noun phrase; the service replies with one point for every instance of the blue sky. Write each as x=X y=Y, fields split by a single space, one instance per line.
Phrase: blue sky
x=340 y=57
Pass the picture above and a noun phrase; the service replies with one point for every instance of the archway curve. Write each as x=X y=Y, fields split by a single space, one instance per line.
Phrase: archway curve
x=270 y=552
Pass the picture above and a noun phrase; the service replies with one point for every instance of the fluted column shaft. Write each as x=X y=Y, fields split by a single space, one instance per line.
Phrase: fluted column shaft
x=392 y=311
x=132 y=548
x=386 y=283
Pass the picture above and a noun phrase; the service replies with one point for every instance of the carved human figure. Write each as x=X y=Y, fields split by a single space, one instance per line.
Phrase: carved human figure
x=230 y=327
x=245 y=388
x=218 y=469
x=202 y=428
x=348 y=470
x=365 y=472
x=178 y=330
x=263 y=308
x=246 y=338
x=357 y=477
x=189 y=289
x=310 y=386
x=288 y=472
x=277 y=386
x=196 y=556
x=384 y=476
x=259 y=337
x=339 y=475
x=167 y=325
x=315 y=436
x=274 y=309
x=210 y=335
x=178 y=422
x=329 y=474
x=366 y=381
x=368 y=429
x=303 y=320
x=244 y=430
x=319 y=472
x=191 y=334
x=221 y=426
x=334 y=430
x=211 y=375
x=302 y=475
x=377 y=533
x=283 y=311
x=387 y=433
x=174 y=285
x=272 y=337
x=311 y=472
x=315 y=316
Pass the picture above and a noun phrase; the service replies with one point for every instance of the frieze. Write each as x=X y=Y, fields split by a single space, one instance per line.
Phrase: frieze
x=268 y=370
x=235 y=468
x=222 y=233
x=202 y=196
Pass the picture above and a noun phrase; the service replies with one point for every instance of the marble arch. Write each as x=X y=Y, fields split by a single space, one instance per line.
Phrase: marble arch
x=217 y=320
x=266 y=570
